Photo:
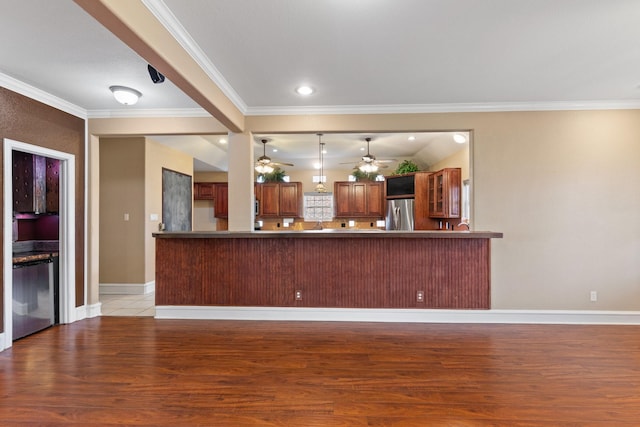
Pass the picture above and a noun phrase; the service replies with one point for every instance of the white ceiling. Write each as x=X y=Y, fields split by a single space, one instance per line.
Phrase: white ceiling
x=359 y=55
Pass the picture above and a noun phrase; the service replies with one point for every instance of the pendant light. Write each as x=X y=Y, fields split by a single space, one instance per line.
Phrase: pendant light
x=320 y=188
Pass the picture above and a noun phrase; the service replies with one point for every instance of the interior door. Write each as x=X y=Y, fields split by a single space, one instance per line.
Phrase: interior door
x=176 y=201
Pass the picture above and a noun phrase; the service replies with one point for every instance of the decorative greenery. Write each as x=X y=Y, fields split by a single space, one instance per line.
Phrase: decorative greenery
x=406 y=166
x=364 y=176
x=276 y=176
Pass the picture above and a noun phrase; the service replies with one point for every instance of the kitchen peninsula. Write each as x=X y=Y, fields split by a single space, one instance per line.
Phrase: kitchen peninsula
x=323 y=269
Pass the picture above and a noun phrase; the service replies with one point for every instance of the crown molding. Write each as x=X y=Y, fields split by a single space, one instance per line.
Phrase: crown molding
x=164 y=15
x=146 y=113
x=41 y=96
x=445 y=108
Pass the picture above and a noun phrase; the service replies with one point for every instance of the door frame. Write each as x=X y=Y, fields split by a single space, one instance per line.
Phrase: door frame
x=67 y=241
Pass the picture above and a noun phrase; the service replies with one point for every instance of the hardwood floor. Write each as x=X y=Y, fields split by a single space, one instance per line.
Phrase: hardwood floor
x=143 y=371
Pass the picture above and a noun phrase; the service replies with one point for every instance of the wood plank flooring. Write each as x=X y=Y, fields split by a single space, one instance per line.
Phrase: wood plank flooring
x=143 y=371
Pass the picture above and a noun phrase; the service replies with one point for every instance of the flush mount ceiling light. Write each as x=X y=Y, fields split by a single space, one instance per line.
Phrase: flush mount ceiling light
x=304 y=90
x=125 y=95
x=459 y=138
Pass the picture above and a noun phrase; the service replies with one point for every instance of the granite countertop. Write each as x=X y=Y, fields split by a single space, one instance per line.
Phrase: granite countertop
x=340 y=234
x=32 y=256
x=34 y=250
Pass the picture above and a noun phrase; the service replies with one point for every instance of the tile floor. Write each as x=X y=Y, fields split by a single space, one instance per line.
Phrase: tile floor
x=128 y=305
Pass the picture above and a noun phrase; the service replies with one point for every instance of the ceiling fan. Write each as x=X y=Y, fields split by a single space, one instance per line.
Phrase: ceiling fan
x=368 y=163
x=264 y=164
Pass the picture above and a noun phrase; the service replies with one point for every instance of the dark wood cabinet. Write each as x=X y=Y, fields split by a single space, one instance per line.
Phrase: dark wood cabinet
x=52 y=184
x=204 y=191
x=221 y=203
x=279 y=199
x=291 y=199
x=359 y=199
x=29 y=183
x=445 y=187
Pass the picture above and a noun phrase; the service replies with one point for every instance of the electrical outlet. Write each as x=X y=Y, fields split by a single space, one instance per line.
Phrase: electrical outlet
x=593 y=296
x=298 y=295
x=420 y=296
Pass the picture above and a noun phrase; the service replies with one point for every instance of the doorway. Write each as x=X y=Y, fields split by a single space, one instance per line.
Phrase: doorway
x=66 y=247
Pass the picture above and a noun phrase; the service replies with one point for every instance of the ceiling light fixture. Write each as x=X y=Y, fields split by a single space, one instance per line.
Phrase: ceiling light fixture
x=412 y=138
x=459 y=138
x=304 y=90
x=125 y=95
x=368 y=164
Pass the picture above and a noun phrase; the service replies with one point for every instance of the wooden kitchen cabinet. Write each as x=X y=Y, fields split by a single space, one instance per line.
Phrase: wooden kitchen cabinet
x=52 y=180
x=221 y=203
x=204 y=191
x=358 y=199
x=29 y=183
x=279 y=199
x=445 y=187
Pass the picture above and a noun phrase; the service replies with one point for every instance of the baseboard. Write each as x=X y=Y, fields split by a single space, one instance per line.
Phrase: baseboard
x=127 y=288
x=399 y=315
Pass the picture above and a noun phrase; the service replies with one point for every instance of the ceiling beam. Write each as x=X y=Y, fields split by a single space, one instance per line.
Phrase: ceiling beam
x=133 y=23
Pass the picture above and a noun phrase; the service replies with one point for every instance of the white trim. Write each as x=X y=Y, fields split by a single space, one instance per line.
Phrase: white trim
x=399 y=315
x=127 y=288
x=41 y=96
x=93 y=310
x=164 y=15
x=2 y=343
x=67 y=243
x=145 y=113
x=444 y=108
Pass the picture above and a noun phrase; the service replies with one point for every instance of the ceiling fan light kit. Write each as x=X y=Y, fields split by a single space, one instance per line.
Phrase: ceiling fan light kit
x=264 y=164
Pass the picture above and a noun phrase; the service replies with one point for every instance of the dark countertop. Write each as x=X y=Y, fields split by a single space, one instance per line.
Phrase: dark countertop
x=339 y=234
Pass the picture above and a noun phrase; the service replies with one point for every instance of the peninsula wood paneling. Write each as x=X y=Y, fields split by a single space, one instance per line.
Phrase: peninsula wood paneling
x=329 y=272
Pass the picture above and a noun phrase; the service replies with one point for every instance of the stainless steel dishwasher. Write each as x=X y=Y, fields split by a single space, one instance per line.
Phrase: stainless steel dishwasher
x=33 y=297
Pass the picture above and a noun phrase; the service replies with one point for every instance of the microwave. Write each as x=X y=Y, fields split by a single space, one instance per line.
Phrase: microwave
x=401 y=185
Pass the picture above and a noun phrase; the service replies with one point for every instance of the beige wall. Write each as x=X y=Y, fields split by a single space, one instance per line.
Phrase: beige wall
x=460 y=160
x=122 y=192
x=158 y=157
x=561 y=185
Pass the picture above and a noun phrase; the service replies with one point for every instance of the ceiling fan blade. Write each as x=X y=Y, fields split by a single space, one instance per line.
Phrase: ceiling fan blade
x=282 y=164
x=386 y=160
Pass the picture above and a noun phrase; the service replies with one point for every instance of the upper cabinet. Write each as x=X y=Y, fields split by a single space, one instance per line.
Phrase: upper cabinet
x=203 y=191
x=35 y=183
x=53 y=185
x=359 y=199
x=445 y=187
x=279 y=199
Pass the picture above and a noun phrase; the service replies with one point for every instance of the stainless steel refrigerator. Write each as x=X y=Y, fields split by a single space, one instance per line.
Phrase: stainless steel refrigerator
x=399 y=214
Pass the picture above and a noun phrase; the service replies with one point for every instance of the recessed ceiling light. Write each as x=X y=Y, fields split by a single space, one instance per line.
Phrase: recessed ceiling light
x=275 y=150
x=361 y=148
x=412 y=138
x=222 y=141
x=324 y=151
x=459 y=138
x=304 y=90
